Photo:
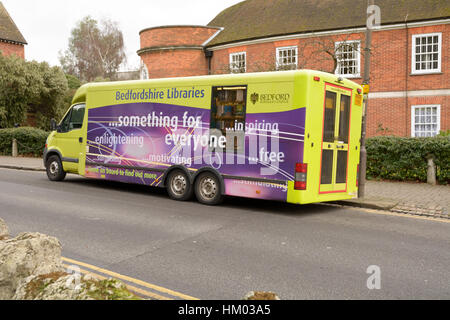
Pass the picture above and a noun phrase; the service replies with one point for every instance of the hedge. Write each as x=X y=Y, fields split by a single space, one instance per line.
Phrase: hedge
x=405 y=159
x=30 y=141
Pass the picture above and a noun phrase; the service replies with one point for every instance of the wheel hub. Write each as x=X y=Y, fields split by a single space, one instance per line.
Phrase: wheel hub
x=208 y=188
x=54 y=167
x=179 y=184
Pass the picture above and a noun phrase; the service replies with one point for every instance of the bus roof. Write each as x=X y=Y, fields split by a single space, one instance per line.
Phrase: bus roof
x=80 y=95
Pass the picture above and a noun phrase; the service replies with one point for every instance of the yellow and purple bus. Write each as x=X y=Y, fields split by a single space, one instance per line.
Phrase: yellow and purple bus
x=291 y=136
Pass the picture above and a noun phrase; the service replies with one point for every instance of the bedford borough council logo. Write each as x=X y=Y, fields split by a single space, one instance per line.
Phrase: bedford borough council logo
x=255 y=98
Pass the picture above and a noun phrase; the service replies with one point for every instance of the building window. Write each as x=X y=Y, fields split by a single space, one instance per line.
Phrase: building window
x=348 y=58
x=425 y=120
x=287 y=58
x=238 y=62
x=426 y=53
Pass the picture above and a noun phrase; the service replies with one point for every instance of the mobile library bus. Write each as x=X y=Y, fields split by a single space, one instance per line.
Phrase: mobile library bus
x=290 y=136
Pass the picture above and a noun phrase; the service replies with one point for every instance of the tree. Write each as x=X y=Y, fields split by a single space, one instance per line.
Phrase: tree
x=30 y=87
x=94 y=50
x=17 y=86
x=73 y=83
x=50 y=101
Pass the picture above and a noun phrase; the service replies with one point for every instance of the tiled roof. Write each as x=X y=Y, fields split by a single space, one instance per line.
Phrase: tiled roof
x=253 y=19
x=8 y=29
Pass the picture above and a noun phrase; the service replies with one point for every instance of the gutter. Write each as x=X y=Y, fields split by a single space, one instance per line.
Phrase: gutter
x=204 y=44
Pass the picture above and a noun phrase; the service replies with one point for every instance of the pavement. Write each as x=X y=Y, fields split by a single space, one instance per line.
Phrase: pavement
x=401 y=197
x=406 y=197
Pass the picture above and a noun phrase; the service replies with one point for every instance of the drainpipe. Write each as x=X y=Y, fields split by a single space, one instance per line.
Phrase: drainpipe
x=209 y=54
x=406 y=78
x=363 y=159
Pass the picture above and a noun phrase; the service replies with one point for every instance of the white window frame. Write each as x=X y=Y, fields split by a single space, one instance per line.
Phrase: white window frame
x=413 y=117
x=280 y=65
x=413 y=56
x=233 y=69
x=357 y=58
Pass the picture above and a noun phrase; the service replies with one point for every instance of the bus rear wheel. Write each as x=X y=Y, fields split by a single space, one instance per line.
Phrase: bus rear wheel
x=179 y=186
x=207 y=189
x=54 y=168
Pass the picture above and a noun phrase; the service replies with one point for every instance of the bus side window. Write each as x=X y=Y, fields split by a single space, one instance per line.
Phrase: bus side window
x=228 y=112
x=64 y=126
x=76 y=119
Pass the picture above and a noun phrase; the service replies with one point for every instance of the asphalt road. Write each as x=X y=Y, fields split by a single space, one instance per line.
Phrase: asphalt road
x=299 y=252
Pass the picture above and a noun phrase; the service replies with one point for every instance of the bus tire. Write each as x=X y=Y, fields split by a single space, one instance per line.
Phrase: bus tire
x=207 y=189
x=54 y=168
x=179 y=186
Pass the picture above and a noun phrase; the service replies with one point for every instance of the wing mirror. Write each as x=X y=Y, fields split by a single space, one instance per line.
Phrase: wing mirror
x=53 y=124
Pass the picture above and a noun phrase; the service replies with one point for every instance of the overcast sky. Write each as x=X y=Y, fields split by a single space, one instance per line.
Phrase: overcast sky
x=46 y=24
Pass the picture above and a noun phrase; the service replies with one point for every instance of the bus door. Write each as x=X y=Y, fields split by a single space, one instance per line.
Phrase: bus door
x=335 y=145
x=70 y=137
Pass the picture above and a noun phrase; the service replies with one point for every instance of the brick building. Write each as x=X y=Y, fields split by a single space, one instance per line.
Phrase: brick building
x=410 y=73
x=11 y=40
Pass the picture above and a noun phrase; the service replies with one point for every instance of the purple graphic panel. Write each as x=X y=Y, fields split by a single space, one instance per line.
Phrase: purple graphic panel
x=125 y=142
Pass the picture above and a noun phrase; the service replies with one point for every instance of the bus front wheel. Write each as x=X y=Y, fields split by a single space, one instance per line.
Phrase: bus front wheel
x=54 y=168
x=207 y=189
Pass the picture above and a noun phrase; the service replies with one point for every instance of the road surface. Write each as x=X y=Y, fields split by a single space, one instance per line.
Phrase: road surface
x=299 y=252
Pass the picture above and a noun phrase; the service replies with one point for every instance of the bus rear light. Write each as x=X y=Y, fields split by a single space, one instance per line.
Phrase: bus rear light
x=301 y=167
x=317 y=79
x=300 y=185
x=301 y=173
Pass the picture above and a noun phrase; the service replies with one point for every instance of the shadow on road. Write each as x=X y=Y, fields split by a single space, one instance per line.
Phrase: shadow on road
x=266 y=206
x=117 y=186
x=282 y=208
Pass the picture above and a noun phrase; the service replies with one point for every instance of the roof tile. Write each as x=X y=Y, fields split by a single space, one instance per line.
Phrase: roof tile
x=8 y=29
x=253 y=19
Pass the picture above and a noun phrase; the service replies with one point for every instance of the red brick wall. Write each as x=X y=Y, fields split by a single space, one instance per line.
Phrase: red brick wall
x=390 y=64
x=443 y=101
x=387 y=117
x=176 y=35
x=9 y=49
x=390 y=67
x=180 y=62
x=262 y=57
x=175 y=63
x=390 y=72
x=392 y=116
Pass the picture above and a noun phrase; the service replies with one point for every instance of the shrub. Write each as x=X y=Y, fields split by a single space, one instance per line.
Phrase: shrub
x=30 y=141
x=405 y=159
x=33 y=87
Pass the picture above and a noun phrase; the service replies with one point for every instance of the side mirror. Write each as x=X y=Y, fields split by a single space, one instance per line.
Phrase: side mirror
x=53 y=124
